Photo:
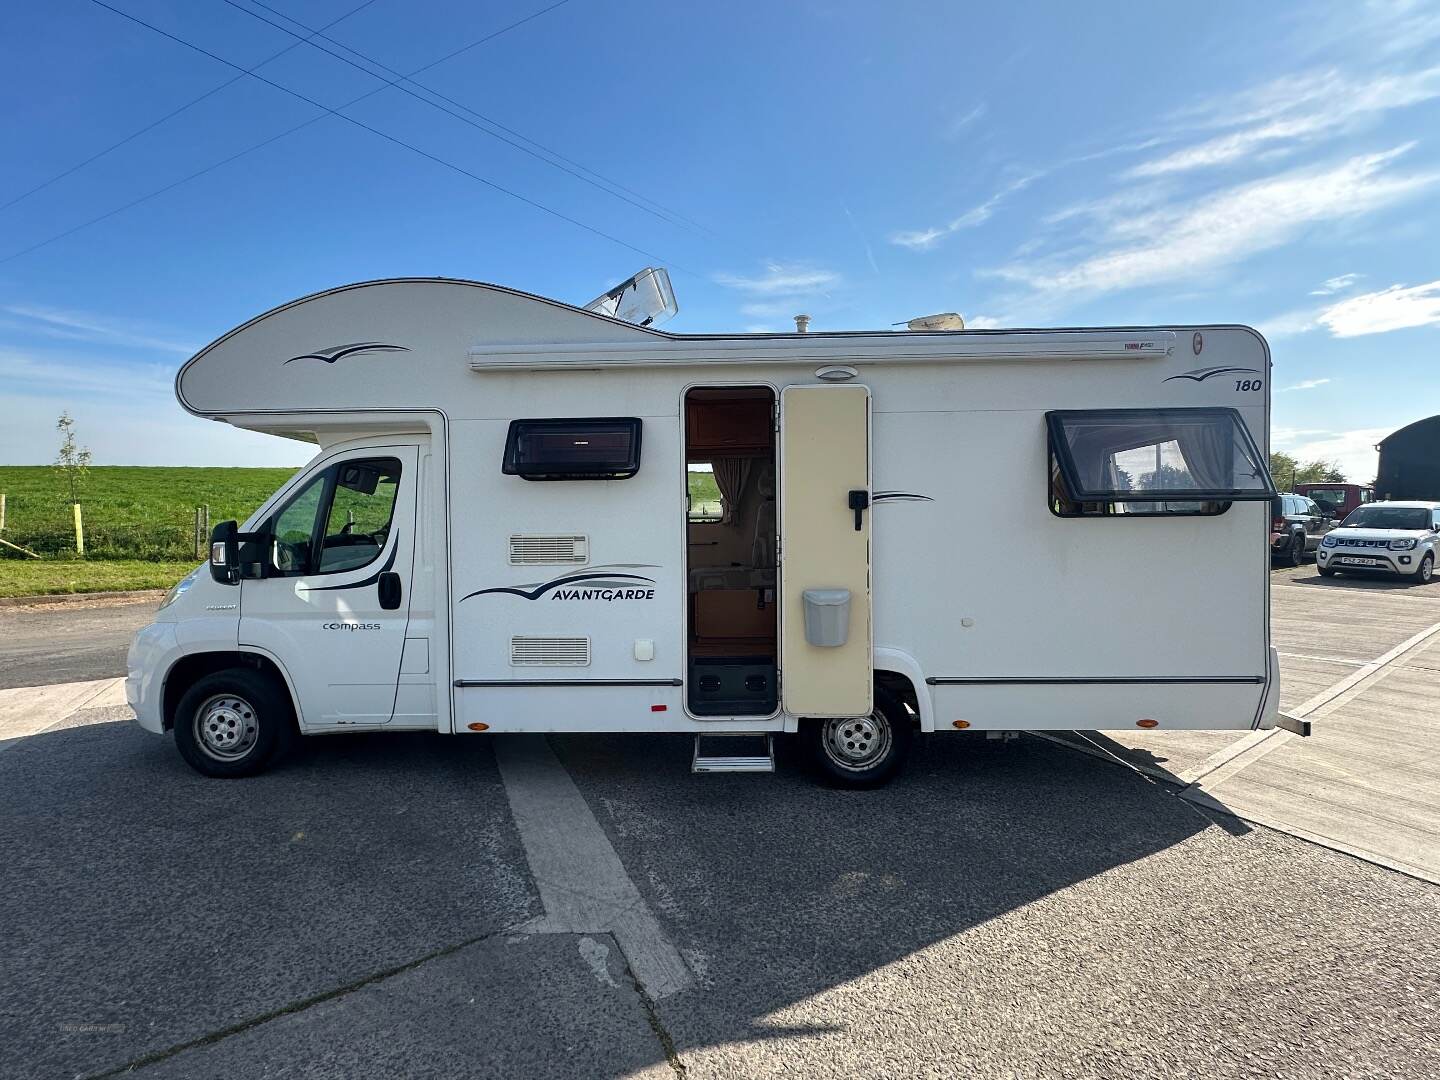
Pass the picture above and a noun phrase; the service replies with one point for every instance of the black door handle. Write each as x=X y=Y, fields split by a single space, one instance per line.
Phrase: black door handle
x=390 y=592
x=859 y=502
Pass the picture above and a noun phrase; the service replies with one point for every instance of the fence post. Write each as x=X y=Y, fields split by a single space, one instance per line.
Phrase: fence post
x=2 y=511
x=79 y=531
x=195 y=533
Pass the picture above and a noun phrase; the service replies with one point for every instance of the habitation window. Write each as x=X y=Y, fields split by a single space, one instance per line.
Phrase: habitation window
x=581 y=449
x=1152 y=461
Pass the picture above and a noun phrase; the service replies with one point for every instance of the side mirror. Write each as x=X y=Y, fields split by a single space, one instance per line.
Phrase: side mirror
x=225 y=553
x=231 y=551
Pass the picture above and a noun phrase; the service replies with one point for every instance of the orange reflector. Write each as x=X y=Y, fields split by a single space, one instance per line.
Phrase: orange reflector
x=478 y=727
x=658 y=708
x=1147 y=723
x=961 y=724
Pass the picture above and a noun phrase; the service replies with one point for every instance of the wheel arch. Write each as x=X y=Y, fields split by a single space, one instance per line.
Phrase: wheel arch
x=899 y=674
x=188 y=669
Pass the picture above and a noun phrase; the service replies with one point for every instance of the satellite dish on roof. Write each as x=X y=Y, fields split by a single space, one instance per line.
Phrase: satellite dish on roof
x=645 y=299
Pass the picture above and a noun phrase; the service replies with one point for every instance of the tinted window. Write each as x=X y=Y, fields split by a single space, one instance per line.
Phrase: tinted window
x=582 y=449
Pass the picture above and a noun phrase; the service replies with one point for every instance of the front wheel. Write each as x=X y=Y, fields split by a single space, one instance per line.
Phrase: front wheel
x=1427 y=569
x=1325 y=571
x=232 y=723
x=861 y=751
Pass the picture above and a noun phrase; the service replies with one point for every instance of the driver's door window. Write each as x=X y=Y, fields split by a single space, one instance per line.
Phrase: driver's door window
x=360 y=512
x=339 y=521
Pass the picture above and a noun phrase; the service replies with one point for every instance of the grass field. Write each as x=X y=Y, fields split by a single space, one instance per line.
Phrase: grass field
x=130 y=512
x=47 y=577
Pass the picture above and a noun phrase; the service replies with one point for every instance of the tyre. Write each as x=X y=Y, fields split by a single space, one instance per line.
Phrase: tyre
x=1295 y=555
x=861 y=752
x=1325 y=571
x=1427 y=569
x=233 y=723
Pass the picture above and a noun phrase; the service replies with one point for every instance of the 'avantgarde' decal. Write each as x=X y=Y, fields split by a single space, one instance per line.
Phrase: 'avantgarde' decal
x=597 y=583
x=339 y=352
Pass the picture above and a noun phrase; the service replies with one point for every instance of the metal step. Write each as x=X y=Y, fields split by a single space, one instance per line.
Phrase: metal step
x=755 y=752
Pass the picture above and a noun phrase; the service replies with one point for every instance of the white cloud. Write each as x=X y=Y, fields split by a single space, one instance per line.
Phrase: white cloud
x=1336 y=284
x=1305 y=384
x=1395 y=308
x=1178 y=242
x=1287 y=324
x=81 y=326
x=964 y=120
x=923 y=239
x=984 y=322
x=781 y=278
x=1293 y=110
x=1353 y=451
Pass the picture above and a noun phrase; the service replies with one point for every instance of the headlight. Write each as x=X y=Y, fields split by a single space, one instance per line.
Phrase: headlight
x=1401 y=545
x=178 y=589
x=1329 y=541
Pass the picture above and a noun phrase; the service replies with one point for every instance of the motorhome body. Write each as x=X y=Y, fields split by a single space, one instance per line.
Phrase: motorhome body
x=990 y=530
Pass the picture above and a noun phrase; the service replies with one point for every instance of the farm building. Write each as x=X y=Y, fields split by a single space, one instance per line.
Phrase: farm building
x=1410 y=462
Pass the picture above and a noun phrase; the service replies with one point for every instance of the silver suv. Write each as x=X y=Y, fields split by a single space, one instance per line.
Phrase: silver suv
x=1391 y=537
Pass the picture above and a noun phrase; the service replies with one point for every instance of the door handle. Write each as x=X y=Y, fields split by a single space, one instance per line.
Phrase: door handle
x=859 y=502
x=390 y=591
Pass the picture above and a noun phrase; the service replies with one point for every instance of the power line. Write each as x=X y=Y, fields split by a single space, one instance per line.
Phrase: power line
x=350 y=120
x=605 y=183
x=176 y=112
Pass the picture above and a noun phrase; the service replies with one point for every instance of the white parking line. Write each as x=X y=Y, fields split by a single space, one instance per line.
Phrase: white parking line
x=582 y=882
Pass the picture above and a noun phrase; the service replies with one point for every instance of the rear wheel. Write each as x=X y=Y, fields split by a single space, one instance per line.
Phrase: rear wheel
x=233 y=723
x=1325 y=571
x=1427 y=568
x=863 y=751
x=1296 y=555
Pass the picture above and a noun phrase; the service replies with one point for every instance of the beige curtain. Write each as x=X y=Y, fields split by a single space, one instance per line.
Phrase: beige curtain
x=730 y=477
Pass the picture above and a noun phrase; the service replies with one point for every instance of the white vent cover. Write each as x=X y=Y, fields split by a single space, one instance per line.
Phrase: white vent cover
x=549 y=651
x=527 y=550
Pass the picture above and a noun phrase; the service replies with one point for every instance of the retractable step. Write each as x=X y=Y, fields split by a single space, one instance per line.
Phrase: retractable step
x=733 y=752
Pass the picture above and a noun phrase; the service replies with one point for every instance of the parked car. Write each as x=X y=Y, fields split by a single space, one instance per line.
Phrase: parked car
x=1337 y=500
x=1297 y=526
x=1391 y=537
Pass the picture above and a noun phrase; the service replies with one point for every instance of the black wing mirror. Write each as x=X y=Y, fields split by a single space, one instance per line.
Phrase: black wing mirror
x=232 y=551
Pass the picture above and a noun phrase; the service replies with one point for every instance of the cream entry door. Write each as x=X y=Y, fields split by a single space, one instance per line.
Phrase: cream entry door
x=824 y=495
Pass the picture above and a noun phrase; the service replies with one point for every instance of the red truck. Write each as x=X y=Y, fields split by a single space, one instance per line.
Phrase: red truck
x=1337 y=500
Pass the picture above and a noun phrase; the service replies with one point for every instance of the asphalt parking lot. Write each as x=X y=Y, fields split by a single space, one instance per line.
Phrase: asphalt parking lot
x=584 y=906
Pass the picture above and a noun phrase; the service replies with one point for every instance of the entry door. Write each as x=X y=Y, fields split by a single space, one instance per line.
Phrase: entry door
x=825 y=546
x=334 y=604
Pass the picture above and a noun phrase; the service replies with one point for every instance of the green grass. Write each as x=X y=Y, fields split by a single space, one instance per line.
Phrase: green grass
x=43 y=577
x=130 y=512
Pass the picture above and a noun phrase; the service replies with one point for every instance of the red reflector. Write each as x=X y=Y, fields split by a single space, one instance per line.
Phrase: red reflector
x=1147 y=723
x=658 y=708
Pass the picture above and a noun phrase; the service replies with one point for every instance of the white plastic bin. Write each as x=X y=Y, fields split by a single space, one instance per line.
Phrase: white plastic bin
x=827 y=617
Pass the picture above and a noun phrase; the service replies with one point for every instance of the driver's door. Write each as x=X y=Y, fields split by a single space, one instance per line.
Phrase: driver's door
x=333 y=603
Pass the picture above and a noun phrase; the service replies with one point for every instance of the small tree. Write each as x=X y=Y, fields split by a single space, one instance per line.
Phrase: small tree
x=73 y=464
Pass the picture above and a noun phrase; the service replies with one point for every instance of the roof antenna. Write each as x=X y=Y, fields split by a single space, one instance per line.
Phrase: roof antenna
x=802 y=324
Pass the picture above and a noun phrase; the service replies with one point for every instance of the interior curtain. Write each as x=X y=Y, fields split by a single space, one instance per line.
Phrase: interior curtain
x=730 y=477
x=1209 y=451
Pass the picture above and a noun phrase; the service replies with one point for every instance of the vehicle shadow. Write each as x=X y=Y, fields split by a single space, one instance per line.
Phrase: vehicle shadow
x=782 y=892
x=1363 y=579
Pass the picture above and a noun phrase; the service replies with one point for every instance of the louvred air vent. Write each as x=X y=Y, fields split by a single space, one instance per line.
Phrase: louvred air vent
x=549 y=651
x=533 y=549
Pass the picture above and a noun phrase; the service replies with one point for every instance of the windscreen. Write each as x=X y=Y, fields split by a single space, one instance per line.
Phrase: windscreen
x=1388 y=517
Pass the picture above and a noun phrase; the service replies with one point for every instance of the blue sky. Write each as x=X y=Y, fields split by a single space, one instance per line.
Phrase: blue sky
x=1026 y=165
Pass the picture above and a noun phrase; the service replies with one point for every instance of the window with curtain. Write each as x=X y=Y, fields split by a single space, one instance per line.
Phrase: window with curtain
x=1152 y=461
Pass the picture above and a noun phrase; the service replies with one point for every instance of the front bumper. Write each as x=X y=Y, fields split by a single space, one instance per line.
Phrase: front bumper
x=151 y=654
x=1383 y=560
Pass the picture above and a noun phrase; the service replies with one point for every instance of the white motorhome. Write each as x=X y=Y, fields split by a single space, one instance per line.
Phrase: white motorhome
x=917 y=531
